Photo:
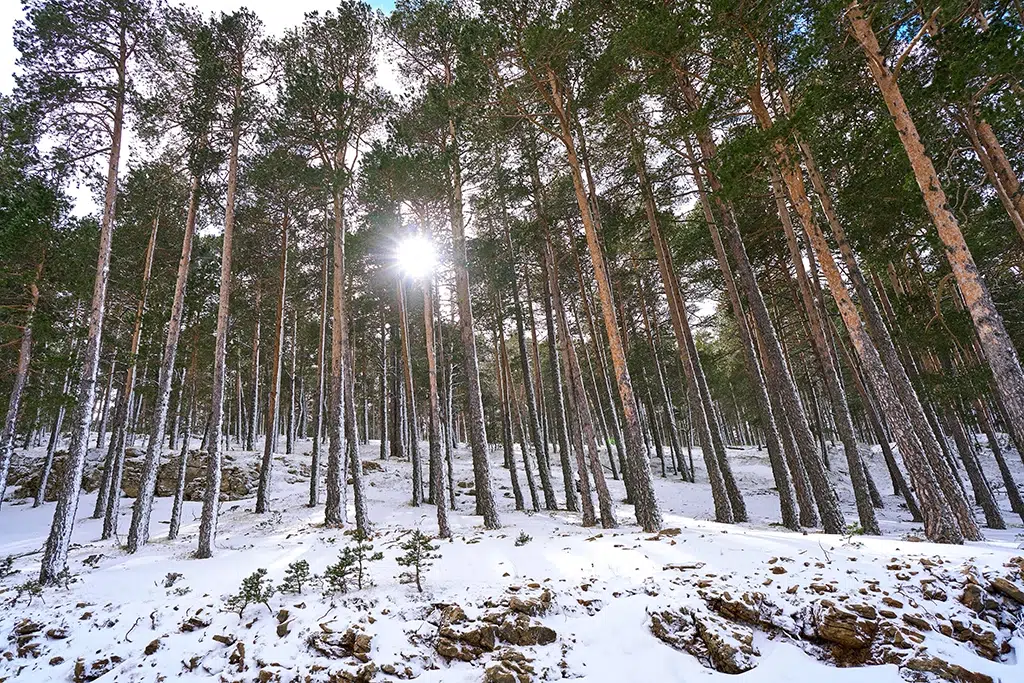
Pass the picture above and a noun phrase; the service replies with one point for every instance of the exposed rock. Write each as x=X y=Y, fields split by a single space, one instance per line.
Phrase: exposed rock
x=364 y=674
x=849 y=630
x=195 y=623
x=152 y=647
x=240 y=475
x=925 y=663
x=90 y=672
x=1008 y=588
x=973 y=597
x=465 y=642
x=351 y=643
x=519 y=629
x=531 y=606
x=718 y=643
x=511 y=666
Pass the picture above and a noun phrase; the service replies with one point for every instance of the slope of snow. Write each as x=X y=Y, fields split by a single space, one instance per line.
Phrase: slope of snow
x=605 y=584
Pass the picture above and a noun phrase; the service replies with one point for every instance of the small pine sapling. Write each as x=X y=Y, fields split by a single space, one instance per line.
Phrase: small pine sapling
x=338 y=575
x=256 y=589
x=419 y=555
x=6 y=566
x=363 y=552
x=295 y=577
x=32 y=589
x=523 y=538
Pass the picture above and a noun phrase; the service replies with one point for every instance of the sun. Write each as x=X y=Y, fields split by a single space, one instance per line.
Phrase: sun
x=416 y=256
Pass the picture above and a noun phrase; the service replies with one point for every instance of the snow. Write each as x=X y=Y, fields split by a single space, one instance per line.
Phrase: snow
x=117 y=604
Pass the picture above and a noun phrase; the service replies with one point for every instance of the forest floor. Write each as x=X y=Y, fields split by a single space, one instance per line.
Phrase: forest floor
x=699 y=601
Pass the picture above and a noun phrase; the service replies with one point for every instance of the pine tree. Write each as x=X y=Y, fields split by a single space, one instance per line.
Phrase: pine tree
x=75 y=60
x=419 y=556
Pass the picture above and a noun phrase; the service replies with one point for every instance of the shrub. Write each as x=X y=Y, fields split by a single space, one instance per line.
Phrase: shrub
x=255 y=589
x=338 y=575
x=295 y=577
x=523 y=538
x=362 y=550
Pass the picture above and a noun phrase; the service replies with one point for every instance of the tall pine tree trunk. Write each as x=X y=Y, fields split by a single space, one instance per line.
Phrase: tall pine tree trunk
x=20 y=376
x=252 y=427
x=55 y=554
x=138 y=532
x=824 y=493
x=110 y=489
x=995 y=341
x=321 y=359
x=276 y=362
x=532 y=416
x=789 y=174
x=789 y=481
x=436 y=465
x=335 y=512
x=211 y=497
x=645 y=503
x=414 y=446
x=485 y=503
x=582 y=428
x=558 y=393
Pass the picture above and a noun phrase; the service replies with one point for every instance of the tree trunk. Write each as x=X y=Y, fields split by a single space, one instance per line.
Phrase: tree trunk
x=998 y=178
x=582 y=428
x=335 y=509
x=276 y=362
x=414 y=446
x=55 y=554
x=824 y=493
x=1001 y=166
x=110 y=489
x=519 y=426
x=321 y=359
x=290 y=436
x=648 y=514
x=252 y=430
x=788 y=173
x=602 y=390
x=211 y=497
x=51 y=446
x=436 y=465
x=186 y=442
x=723 y=506
x=485 y=503
x=20 y=376
x=533 y=421
x=138 y=532
x=792 y=492
x=937 y=513
x=383 y=390
x=995 y=341
x=559 y=401
x=1012 y=492
x=507 y=439
x=355 y=464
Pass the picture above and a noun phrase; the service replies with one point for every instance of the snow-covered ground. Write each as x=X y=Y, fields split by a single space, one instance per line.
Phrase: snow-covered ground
x=124 y=617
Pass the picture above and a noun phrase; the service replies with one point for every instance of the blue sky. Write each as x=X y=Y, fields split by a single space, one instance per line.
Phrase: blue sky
x=276 y=14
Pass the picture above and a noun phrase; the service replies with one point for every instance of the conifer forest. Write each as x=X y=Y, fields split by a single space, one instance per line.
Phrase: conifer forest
x=507 y=341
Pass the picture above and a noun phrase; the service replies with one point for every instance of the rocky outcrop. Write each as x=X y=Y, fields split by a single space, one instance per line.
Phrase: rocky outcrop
x=719 y=644
x=350 y=643
x=510 y=620
x=867 y=627
x=240 y=475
